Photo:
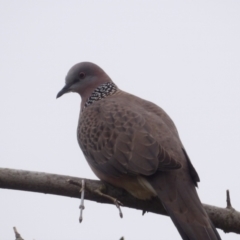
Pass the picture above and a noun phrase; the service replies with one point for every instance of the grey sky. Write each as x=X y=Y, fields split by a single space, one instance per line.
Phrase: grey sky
x=182 y=55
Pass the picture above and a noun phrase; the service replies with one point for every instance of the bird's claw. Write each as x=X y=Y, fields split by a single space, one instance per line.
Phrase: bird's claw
x=118 y=204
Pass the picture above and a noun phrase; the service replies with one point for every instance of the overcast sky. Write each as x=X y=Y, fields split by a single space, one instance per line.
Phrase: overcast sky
x=182 y=55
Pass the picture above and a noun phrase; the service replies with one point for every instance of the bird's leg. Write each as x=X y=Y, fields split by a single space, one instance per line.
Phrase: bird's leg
x=117 y=203
x=97 y=191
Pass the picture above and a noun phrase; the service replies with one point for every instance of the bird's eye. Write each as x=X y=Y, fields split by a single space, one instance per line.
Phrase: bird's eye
x=82 y=75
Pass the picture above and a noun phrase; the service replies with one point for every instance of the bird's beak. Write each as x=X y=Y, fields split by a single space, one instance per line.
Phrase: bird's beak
x=63 y=91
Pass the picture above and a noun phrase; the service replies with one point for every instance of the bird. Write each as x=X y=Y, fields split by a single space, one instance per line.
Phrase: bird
x=132 y=143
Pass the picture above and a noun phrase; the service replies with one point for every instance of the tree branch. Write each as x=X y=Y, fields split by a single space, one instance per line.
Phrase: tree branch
x=227 y=219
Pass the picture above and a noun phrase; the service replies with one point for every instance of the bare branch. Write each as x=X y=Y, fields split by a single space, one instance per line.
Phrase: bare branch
x=226 y=219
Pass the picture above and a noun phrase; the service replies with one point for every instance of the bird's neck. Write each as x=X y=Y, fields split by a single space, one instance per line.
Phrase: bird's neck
x=102 y=91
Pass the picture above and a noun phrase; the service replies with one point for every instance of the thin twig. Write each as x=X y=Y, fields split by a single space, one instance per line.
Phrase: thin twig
x=82 y=200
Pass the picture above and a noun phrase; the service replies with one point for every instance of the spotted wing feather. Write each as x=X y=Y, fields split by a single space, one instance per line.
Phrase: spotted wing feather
x=118 y=137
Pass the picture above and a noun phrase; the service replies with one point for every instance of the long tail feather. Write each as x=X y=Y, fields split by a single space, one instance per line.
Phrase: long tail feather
x=184 y=207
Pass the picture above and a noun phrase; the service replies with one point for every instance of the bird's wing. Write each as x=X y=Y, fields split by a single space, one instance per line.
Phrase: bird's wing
x=126 y=139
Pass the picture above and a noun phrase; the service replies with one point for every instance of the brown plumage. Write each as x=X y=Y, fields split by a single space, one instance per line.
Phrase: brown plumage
x=132 y=143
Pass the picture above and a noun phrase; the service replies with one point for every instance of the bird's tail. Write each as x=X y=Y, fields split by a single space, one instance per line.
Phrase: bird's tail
x=185 y=209
x=193 y=231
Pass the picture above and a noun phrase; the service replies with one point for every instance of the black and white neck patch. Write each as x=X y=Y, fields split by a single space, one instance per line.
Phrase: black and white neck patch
x=101 y=92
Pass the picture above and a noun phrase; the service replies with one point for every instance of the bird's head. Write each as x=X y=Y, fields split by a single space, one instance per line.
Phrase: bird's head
x=84 y=78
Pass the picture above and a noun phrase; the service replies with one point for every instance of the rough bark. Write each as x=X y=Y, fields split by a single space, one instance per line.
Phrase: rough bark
x=227 y=219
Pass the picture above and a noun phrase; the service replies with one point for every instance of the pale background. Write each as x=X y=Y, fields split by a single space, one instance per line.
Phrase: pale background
x=182 y=55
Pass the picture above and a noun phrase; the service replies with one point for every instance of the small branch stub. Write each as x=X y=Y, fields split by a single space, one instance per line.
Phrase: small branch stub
x=17 y=234
x=229 y=205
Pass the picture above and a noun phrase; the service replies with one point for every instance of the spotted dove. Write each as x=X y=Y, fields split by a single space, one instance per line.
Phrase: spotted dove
x=133 y=144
